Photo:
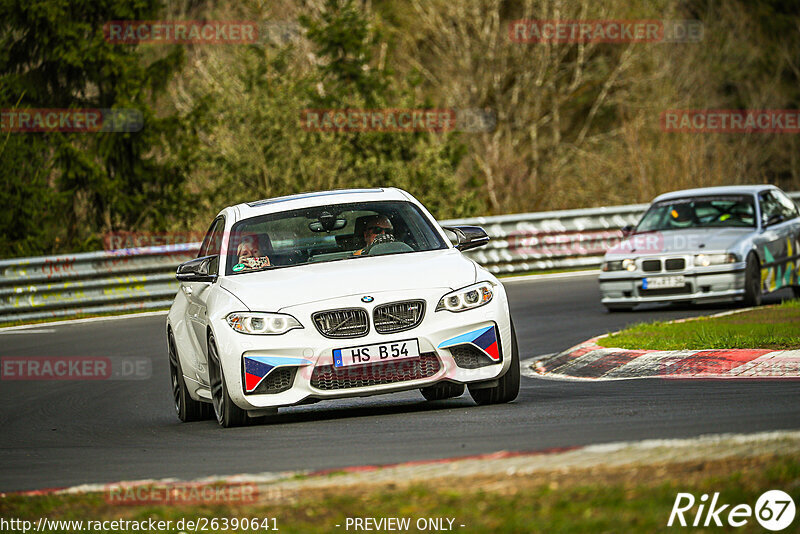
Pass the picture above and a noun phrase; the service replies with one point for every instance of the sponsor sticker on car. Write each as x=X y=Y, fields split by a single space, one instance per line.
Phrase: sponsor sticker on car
x=376 y=353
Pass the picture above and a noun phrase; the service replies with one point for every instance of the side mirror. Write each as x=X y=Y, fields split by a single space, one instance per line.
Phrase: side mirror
x=468 y=236
x=627 y=230
x=198 y=270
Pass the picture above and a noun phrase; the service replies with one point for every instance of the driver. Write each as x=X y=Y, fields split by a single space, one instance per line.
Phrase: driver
x=377 y=225
x=681 y=215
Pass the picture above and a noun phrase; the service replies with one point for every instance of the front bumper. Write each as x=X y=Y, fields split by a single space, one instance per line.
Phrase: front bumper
x=721 y=283
x=309 y=356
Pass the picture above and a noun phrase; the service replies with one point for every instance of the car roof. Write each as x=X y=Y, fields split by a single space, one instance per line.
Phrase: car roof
x=317 y=198
x=719 y=190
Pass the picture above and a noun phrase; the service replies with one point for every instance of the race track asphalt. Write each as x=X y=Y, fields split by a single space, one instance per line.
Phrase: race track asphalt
x=55 y=434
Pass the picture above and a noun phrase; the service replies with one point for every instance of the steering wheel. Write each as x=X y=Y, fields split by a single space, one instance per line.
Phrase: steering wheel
x=379 y=239
x=386 y=244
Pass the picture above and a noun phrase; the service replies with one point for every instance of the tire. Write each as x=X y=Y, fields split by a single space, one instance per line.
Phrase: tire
x=615 y=308
x=443 y=390
x=228 y=414
x=796 y=291
x=186 y=407
x=752 y=282
x=507 y=388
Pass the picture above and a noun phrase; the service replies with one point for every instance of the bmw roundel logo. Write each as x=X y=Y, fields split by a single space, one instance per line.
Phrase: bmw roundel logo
x=367 y=299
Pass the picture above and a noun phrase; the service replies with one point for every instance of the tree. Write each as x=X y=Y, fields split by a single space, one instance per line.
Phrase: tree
x=77 y=185
x=255 y=146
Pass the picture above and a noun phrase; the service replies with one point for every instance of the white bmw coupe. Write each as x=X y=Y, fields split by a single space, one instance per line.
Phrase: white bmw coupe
x=335 y=294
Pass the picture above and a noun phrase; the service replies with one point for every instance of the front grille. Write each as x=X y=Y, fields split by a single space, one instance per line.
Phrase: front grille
x=348 y=322
x=277 y=381
x=651 y=266
x=468 y=357
x=398 y=316
x=675 y=264
x=666 y=291
x=328 y=377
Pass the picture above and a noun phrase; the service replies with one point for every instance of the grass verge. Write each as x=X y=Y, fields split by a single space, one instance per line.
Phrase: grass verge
x=770 y=327
x=635 y=498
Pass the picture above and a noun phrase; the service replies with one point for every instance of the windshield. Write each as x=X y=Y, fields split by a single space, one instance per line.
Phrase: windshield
x=329 y=233
x=699 y=212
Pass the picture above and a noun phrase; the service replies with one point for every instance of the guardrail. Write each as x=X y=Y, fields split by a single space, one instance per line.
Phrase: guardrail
x=550 y=240
x=144 y=278
x=90 y=283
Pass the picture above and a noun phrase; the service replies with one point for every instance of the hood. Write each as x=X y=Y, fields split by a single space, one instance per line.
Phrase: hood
x=695 y=240
x=303 y=284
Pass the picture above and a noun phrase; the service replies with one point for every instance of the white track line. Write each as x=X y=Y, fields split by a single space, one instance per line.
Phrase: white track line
x=554 y=276
x=83 y=321
x=31 y=331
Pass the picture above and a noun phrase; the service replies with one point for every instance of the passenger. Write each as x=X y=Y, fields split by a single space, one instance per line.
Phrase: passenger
x=250 y=254
x=375 y=226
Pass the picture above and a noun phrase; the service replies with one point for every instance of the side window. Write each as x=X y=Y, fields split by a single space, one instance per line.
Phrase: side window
x=788 y=207
x=212 y=242
x=769 y=206
x=775 y=203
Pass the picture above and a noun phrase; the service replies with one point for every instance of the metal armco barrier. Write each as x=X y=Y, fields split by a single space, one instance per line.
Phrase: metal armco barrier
x=90 y=283
x=550 y=240
x=144 y=278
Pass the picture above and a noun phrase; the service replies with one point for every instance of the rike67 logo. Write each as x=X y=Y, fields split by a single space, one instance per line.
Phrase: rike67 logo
x=774 y=510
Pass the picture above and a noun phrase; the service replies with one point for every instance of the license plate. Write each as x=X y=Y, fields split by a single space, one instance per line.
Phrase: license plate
x=377 y=353
x=662 y=282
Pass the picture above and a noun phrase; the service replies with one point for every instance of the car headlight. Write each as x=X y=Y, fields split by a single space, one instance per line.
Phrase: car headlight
x=271 y=324
x=467 y=298
x=629 y=264
x=612 y=266
x=704 y=260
